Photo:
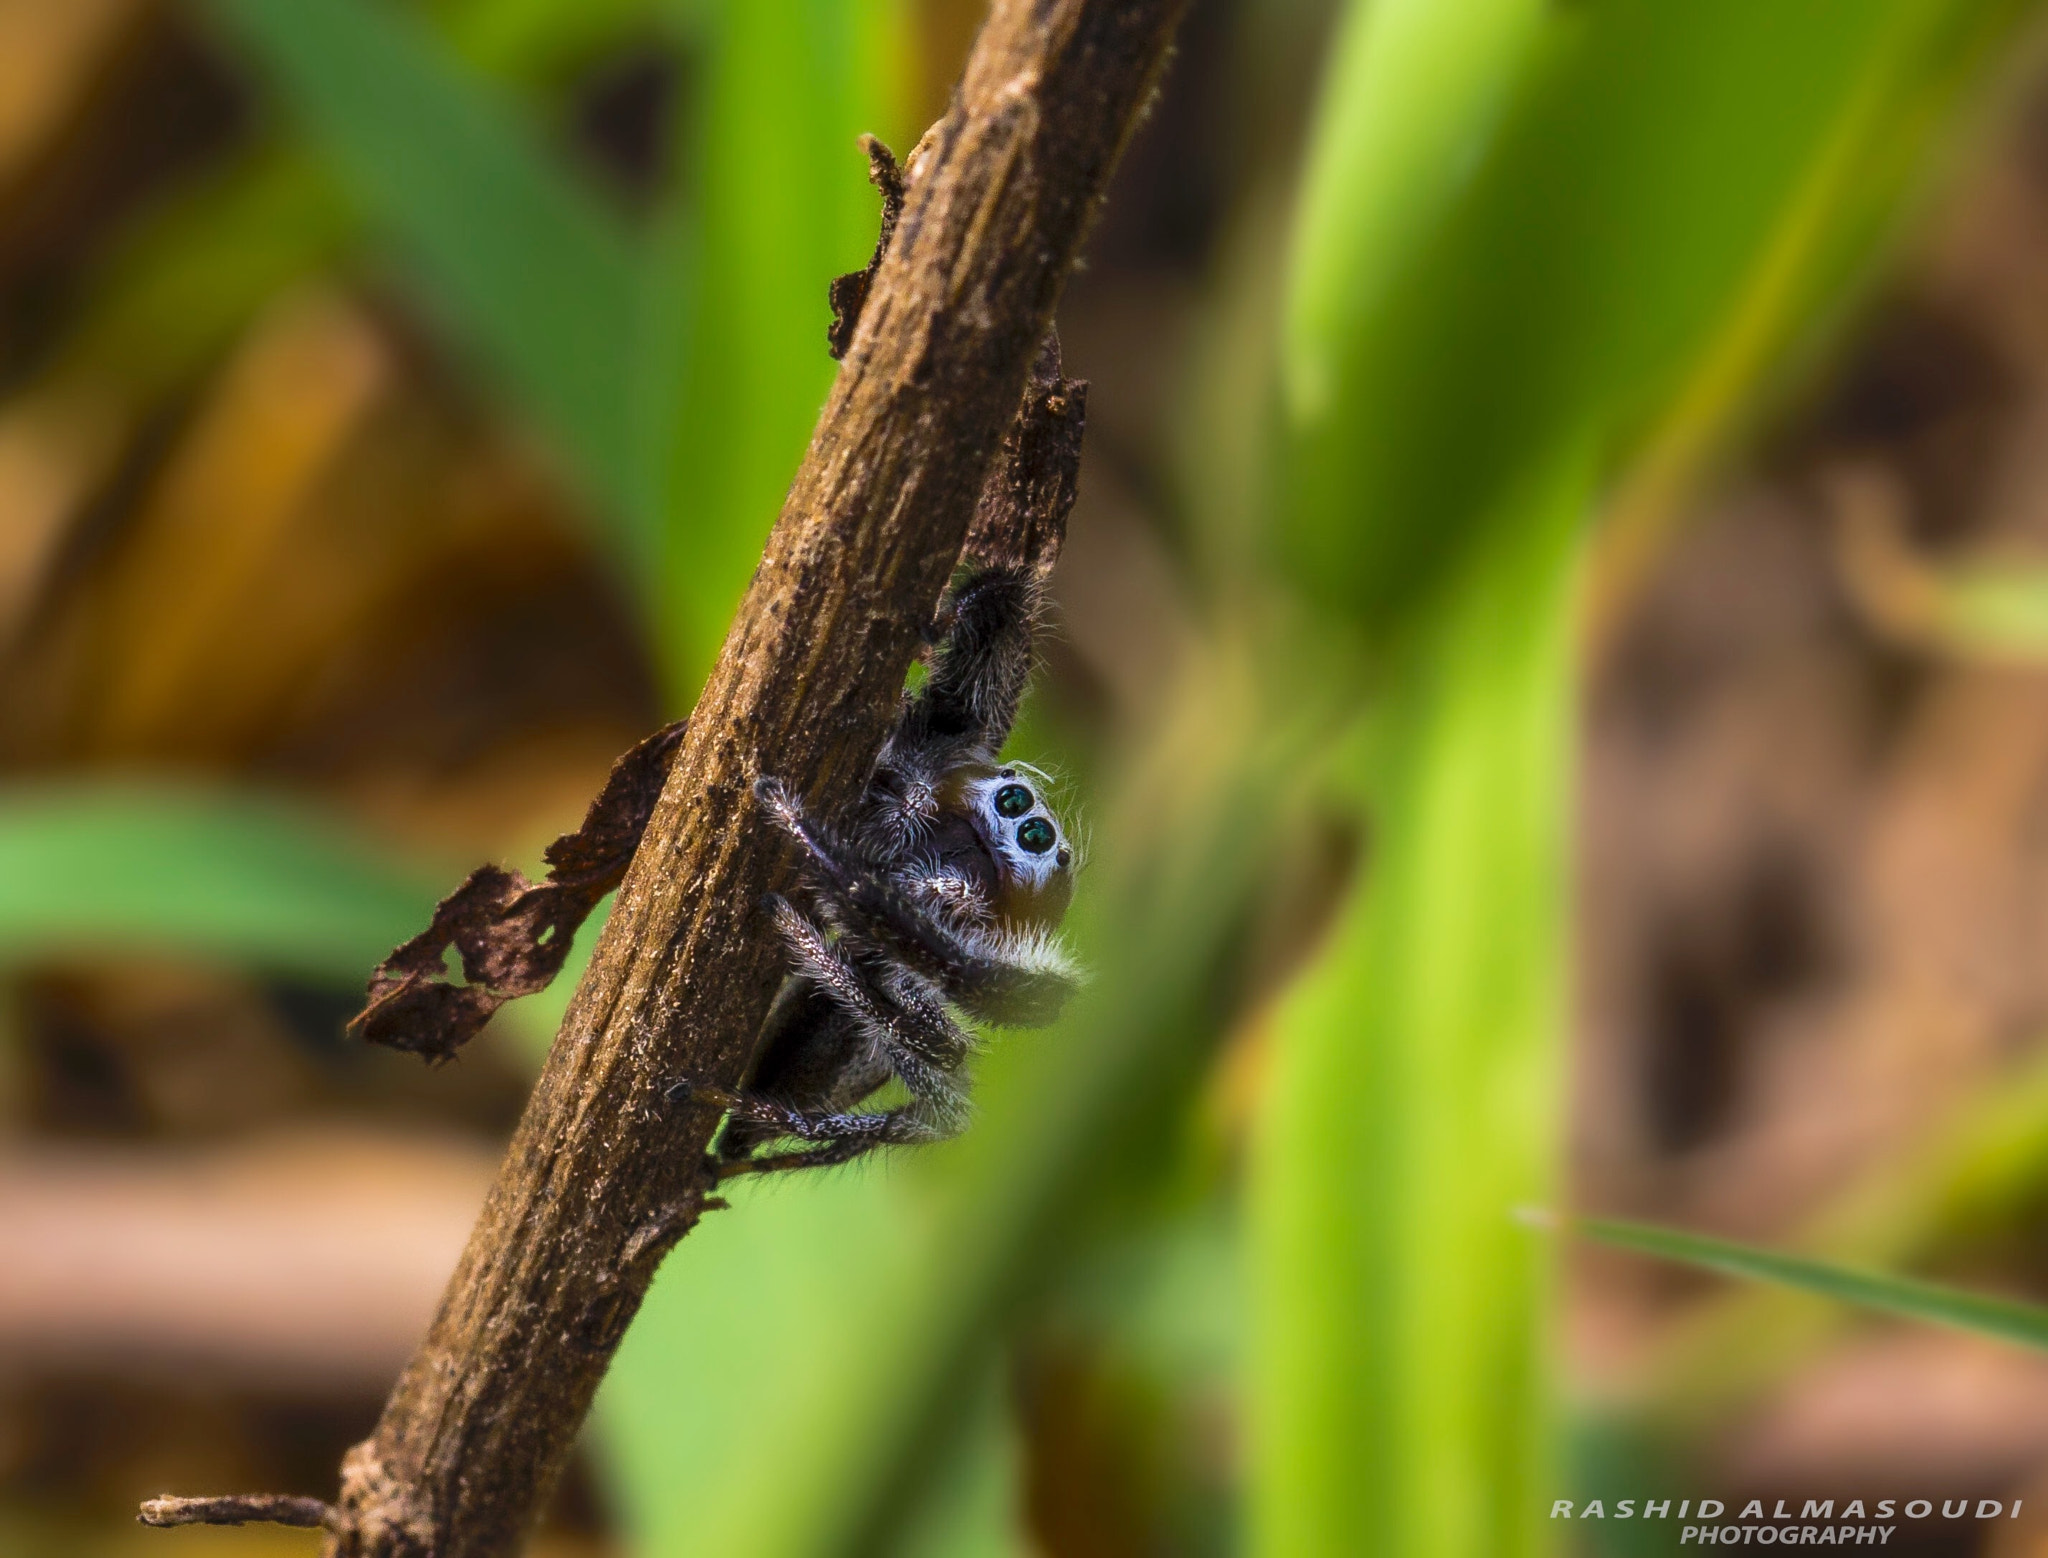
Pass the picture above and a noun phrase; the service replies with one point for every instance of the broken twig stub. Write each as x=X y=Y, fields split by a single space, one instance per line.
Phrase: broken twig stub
x=237 y=1509
x=849 y=293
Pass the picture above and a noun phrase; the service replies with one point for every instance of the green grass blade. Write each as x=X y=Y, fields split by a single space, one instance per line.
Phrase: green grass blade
x=1423 y=84
x=535 y=273
x=779 y=204
x=1398 y=1393
x=1906 y=1297
x=974 y=1509
x=98 y=869
x=1652 y=204
x=1973 y=1178
x=1669 y=196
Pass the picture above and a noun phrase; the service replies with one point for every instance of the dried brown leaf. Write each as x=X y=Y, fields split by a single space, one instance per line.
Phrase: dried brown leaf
x=512 y=934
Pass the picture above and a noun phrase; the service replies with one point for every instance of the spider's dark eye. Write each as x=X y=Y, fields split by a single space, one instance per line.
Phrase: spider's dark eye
x=1064 y=858
x=1037 y=835
x=1013 y=800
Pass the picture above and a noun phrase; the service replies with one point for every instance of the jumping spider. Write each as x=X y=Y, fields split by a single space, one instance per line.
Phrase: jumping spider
x=942 y=895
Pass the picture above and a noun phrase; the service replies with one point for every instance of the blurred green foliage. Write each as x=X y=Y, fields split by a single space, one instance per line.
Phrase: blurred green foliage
x=772 y=199
x=248 y=879
x=1671 y=199
x=1637 y=213
x=1537 y=249
x=1399 y=1389
x=519 y=254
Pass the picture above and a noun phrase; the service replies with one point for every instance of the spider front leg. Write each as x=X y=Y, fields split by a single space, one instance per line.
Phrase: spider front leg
x=836 y=1138
x=982 y=661
x=904 y=1022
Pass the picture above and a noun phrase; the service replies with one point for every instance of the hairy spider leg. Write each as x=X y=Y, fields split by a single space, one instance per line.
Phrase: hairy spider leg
x=902 y=803
x=982 y=663
x=923 y=1046
x=841 y=1137
x=904 y=1021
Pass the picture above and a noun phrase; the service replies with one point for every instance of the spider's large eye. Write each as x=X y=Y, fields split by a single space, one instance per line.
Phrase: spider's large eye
x=1037 y=835
x=1013 y=800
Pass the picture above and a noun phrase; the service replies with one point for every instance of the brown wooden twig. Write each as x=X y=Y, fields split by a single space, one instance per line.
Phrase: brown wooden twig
x=237 y=1509
x=606 y=1172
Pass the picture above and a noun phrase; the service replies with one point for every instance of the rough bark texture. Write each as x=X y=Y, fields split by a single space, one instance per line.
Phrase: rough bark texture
x=605 y=1173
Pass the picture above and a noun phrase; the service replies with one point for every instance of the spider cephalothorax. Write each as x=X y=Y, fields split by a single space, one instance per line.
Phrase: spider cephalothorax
x=940 y=896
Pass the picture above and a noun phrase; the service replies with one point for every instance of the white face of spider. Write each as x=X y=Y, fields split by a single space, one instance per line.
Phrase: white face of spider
x=1026 y=841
